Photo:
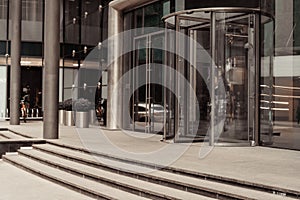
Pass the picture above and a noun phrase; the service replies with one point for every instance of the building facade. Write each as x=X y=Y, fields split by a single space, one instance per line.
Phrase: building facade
x=239 y=59
x=83 y=24
x=248 y=93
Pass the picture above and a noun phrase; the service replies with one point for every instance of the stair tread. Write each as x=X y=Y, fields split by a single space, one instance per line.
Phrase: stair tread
x=72 y=179
x=10 y=135
x=124 y=180
x=225 y=188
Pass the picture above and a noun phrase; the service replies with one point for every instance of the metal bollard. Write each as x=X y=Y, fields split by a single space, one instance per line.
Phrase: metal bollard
x=32 y=112
x=37 y=112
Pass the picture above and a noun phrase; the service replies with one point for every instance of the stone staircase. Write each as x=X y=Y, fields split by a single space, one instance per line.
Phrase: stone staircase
x=104 y=176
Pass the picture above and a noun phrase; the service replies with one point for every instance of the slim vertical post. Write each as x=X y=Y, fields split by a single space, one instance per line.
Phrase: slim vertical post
x=15 y=75
x=257 y=80
x=176 y=84
x=51 y=49
x=213 y=94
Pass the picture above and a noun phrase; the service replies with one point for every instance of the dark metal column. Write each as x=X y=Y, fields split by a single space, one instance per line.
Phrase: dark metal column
x=15 y=75
x=257 y=80
x=51 y=49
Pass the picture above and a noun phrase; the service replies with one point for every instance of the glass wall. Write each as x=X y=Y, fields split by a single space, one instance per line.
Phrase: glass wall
x=3 y=92
x=32 y=20
x=3 y=19
x=90 y=23
x=83 y=24
x=280 y=76
x=220 y=66
x=72 y=17
x=192 y=4
x=146 y=105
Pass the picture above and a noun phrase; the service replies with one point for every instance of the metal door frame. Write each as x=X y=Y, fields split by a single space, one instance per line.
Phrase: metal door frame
x=149 y=125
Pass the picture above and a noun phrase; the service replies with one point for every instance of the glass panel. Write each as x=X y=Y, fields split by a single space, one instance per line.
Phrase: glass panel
x=297 y=27
x=193 y=4
x=3 y=19
x=3 y=48
x=232 y=38
x=266 y=81
x=181 y=103
x=155 y=91
x=234 y=82
x=147 y=110
x=169 y=100
x=32 y=20
x=32 y=89
x=192 y=103
x=199 y=125
x=281 y=55
x=69 y=78
x=139 y=21
x=3 y=92
x=72 y=19
x=32 y=49
x=140 y=120
x=90 y=30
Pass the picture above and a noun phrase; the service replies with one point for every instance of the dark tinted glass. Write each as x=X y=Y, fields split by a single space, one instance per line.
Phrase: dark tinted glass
x=31 y=49
x=192 y=4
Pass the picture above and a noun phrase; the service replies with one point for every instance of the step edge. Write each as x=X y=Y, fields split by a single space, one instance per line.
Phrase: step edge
x=69 y=185
x=96 y=178
x=153 y=179
x=205 y=176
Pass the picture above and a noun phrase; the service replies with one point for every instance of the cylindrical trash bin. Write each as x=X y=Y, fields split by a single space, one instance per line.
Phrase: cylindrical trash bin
x=69 y=118
x=82 y=119
x=62 y=117
x=92 y=117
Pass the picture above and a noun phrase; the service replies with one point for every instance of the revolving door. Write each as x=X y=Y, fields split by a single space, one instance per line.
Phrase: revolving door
x=217 y=53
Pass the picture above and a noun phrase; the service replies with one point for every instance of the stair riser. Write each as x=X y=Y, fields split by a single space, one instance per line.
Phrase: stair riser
x=108 y=182
x=223 y=180
x=161 y=181
x=84 y=191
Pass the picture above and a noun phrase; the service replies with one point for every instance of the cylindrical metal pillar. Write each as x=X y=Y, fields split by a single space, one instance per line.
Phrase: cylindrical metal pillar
x=15 y=70
x=51 y=49
x=114 y=95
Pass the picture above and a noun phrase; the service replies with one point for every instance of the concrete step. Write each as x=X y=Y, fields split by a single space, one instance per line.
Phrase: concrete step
x=91 y=188
x=9 y=135
x=172 y=180
x=190 y=173
x=128 y=184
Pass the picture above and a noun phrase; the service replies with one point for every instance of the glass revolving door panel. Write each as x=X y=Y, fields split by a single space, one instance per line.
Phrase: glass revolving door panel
x=223 y=109
x=235 y=67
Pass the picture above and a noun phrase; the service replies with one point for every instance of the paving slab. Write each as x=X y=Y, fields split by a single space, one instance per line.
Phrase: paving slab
x=18 y=184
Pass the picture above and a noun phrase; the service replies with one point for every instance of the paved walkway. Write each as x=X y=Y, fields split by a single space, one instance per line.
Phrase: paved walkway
x=17 y=184
x=262 y=165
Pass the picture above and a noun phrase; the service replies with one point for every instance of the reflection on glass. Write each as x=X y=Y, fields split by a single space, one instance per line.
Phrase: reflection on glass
x=235 y=45
x=3 y=19
x=280 y=72
x=32 y=20
x=72 y=20
x=90 y=29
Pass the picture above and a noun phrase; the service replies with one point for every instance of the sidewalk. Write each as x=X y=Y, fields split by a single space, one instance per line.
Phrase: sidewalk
x=17 y=184
x=261 y=165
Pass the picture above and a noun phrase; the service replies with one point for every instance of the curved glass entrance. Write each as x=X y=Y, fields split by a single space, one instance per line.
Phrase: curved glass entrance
x=224 y=109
